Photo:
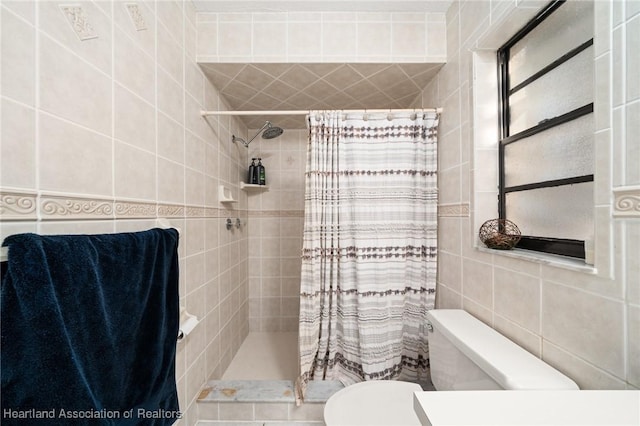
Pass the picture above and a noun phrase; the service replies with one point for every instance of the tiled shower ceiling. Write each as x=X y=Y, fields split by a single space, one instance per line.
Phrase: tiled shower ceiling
x=272 y=86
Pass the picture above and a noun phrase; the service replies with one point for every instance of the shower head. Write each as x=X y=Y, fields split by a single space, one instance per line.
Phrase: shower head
x=269 y=131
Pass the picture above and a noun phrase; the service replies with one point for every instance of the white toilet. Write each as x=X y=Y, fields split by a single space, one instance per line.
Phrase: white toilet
x=465 y=354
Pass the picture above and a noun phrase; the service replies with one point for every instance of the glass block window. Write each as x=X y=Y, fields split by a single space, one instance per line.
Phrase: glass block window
x=546 y=154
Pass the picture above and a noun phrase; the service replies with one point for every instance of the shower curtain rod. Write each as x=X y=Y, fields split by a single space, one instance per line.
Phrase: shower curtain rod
x=305 y=112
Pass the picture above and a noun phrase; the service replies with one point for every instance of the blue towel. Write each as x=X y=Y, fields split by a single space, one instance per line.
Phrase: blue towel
x=89 y=329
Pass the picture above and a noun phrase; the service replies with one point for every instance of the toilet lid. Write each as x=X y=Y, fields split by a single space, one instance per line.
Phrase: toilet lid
x=374 y=403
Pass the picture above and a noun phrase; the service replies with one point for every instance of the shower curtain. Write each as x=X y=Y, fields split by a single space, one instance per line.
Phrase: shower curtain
x=370 y=246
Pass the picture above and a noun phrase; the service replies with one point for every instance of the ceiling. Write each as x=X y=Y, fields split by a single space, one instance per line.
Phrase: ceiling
x=286 y=86
x=223 y=6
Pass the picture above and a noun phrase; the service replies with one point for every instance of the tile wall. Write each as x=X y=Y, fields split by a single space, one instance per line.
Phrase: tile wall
x=298 y=37
x=276 y=220
x=104 y=135
x=584 y=321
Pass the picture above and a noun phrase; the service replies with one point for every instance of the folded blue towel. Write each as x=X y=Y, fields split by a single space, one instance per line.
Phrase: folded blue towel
x=89 y=329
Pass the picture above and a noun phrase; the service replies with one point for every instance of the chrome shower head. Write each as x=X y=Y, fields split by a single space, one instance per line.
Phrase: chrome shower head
x=269 y=131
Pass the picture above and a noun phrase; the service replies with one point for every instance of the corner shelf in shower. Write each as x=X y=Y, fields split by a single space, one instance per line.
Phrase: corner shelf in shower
x=252 y=187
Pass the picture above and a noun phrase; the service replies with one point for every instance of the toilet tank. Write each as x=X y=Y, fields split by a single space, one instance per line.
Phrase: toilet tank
x=466 y=354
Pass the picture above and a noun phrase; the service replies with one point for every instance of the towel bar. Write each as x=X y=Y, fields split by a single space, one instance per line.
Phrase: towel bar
x=162 y=222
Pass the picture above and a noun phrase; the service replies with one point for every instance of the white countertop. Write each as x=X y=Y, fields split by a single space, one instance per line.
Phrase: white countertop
x=519 y=408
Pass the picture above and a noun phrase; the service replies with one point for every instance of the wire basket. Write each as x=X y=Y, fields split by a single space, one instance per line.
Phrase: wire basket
x=499 y=234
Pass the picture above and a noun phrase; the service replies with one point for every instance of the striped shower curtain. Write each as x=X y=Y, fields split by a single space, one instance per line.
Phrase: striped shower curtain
x=370 y=246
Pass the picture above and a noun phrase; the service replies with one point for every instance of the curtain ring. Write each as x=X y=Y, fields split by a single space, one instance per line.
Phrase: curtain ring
x=413 y=116
x=390 y=116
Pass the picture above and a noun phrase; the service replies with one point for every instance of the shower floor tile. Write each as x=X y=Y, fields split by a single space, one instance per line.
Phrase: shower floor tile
x=265 y=356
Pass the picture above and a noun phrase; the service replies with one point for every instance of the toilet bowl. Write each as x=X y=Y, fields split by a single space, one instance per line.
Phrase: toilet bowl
x=375 y=403
x=464 y=354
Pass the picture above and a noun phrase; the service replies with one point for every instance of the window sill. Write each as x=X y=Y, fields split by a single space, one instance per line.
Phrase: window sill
x=557 y=261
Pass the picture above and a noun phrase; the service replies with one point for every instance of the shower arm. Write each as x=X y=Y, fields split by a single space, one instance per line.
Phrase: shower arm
x=265 y=125
x=246 y=144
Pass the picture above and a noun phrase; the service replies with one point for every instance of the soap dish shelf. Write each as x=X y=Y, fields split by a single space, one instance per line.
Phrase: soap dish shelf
x=252 y=187
x=225 y=195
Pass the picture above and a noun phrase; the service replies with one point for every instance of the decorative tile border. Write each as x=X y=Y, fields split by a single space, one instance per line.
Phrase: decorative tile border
x=169 y=210
x=195 y=211
x=626 y=202
x=18 y=206
x=453 y=210
x=135 y=210
x=70 y=208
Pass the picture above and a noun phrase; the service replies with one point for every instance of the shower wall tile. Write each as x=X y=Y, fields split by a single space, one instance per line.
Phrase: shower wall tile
x=194 y=82
x=477 y=282
x=275 y=233
x=134 y=68
x=633 y=351
x=134 y=172
x=170 y=96
x=234 y=39
x=321 y=37
x=65 y=84
x=632 y=29
x=269 y=39
x=632 y=111
x=339 y=39
x=170 y=53
x=586 y=375
x=408 y=39
x=517 y=298
x=19 y=55
x=145 y=39
x=96 y=51
x=73 y=153
x=23 y=9
x=308 y=40
x=374 y=39
x=135 y=120
x=18 y=135
x=76 y=227
x=601 y=343
x=170 y=139
x=207 y=38
x=523 y=337
x=170 y=15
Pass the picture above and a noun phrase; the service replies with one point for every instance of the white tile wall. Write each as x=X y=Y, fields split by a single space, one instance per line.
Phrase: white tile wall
x=275 y=233
x=104 y=135
x=584 y=323
x=321 y=37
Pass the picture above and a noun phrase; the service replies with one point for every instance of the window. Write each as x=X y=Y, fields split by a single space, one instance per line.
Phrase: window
x=546 y=151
